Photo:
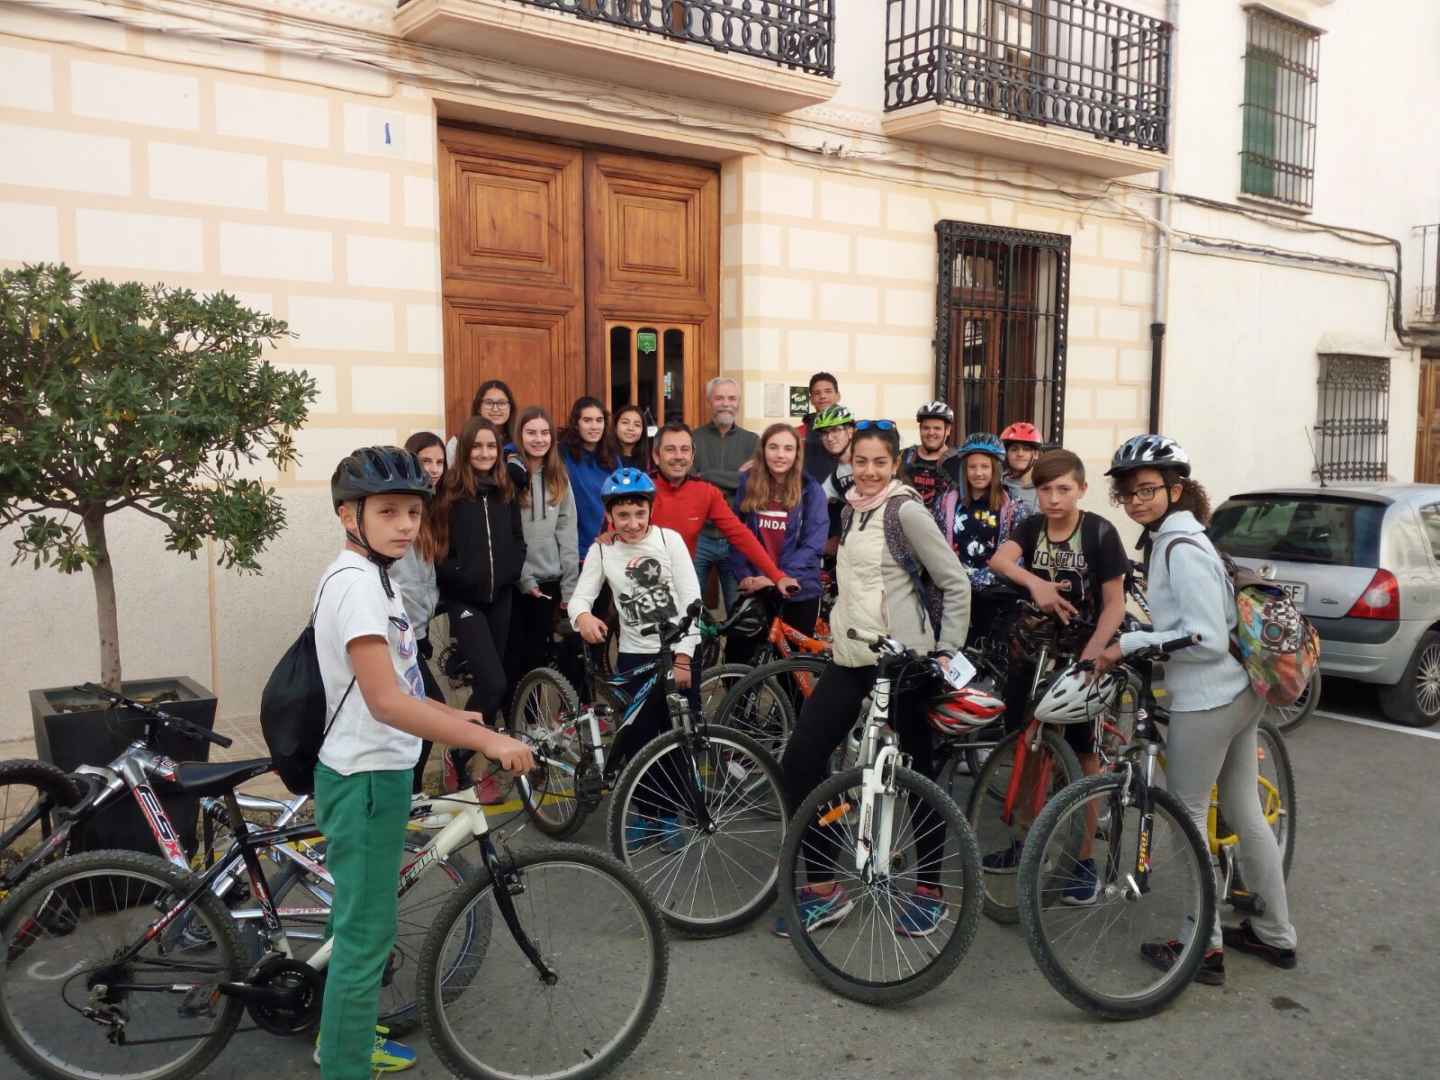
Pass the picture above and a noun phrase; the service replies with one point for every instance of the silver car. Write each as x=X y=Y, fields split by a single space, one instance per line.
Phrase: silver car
x=1362 y=562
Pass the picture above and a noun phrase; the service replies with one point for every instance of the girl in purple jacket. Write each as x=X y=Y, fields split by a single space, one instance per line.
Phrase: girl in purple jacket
x=786 y=510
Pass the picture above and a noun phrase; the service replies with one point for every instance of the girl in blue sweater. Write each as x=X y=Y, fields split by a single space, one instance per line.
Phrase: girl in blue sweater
x=589 y=462
x=786 y=510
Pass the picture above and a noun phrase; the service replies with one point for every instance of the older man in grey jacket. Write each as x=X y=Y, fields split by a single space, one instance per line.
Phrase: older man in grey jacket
x=721 y=447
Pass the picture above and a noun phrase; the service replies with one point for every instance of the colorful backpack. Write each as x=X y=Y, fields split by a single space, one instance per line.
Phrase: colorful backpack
x=1277 y=646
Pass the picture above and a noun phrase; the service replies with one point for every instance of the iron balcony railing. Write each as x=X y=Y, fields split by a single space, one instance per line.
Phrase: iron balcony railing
x=1427 y=307
x=792 y=33
x=1085 y=65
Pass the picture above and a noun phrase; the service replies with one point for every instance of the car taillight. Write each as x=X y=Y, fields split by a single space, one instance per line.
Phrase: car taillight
x=1380 y=600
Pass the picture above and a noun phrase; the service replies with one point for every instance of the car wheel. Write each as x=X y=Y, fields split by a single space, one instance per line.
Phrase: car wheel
x=1415 y=700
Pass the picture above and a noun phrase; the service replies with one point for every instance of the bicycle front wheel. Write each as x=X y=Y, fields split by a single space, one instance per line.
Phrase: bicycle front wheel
x=896 y=931
x=593 y=927
x=1108 y=947
x=545 y=709
x=1001 y=833
x=711 y=879
x=62 y=932
x=30 y=794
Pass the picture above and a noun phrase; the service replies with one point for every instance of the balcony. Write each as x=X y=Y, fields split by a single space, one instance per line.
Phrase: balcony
x=1076 y=84
x=772 y=56
x=1427 y=297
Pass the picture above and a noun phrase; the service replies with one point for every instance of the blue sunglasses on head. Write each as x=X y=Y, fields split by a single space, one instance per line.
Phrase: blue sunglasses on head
x=879 y=425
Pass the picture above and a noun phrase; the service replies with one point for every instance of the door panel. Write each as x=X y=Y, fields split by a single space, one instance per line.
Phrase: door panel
x=514 y=270
x=1427 y=433
x=652 y=267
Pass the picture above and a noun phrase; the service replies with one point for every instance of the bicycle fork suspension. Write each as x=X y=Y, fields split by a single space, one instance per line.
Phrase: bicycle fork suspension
x=508 y=884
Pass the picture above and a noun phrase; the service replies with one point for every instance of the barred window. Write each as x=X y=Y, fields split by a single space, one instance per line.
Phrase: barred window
x=1000 y=327
x=1352 y=429
x=1282 y=89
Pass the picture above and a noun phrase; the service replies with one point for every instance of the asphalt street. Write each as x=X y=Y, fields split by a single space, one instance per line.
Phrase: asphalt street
x=1362 y=1003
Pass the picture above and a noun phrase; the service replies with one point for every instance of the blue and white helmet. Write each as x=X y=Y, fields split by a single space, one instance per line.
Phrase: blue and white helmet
x=627 y=482
x=1149 y=452
x=982 y=442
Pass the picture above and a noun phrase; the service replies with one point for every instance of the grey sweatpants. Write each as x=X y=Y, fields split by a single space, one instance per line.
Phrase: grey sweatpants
x=1218 y=746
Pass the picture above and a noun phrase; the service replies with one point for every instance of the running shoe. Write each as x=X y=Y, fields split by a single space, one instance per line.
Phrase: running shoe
x=920 y=914
x=1165 y=954
x=1244 y=938
x=387 y=1055
x=818 y=910
x=1004 y=861
x=1084 y=886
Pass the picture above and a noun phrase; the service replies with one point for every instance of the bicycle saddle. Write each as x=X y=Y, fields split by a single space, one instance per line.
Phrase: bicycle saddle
x=204 y=778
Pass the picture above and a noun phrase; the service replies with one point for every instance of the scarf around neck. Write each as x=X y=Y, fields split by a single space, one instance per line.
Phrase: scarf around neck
x=862 y=504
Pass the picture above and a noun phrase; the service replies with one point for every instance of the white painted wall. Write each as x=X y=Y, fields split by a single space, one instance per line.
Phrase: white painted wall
x=1241 y=354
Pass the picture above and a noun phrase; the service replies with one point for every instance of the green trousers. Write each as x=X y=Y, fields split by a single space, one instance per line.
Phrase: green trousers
x=363 y=817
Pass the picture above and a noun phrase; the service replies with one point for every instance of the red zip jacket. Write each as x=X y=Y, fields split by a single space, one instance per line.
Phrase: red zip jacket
x=687 y=507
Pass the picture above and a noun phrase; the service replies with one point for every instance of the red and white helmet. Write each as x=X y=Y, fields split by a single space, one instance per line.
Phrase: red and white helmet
x=959 y=712
x=1022 y=432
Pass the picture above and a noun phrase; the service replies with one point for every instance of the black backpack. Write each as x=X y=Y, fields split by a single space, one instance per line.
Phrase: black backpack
x=293 y=713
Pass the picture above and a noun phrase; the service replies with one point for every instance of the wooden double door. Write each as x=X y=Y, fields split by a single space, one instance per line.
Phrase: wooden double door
x=571 y=271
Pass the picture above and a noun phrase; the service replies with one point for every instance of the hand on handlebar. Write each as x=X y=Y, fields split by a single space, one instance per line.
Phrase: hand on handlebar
x=592 y=630
x=1048 y=599
x=788 y=586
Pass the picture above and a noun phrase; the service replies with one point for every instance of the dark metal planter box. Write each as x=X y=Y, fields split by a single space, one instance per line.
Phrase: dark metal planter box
x=97 y=735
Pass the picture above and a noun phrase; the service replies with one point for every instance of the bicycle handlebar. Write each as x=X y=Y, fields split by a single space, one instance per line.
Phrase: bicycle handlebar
x=160 y=716
x=677 y=629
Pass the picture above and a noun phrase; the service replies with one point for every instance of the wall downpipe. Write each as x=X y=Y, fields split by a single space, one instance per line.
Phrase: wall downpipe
x=1161 y=298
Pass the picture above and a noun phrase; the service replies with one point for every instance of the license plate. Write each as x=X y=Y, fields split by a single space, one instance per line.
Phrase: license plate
x=1294 y=590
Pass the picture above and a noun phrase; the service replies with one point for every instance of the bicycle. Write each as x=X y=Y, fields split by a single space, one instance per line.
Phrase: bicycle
x=698 y=813
x=871 y=831
x=147 y=961
x=1152 y=863
x=1022 y=771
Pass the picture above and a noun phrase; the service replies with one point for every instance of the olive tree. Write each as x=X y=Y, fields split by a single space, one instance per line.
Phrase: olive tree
x=137 y=397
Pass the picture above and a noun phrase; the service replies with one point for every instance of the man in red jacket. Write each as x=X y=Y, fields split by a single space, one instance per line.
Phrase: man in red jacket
x=686 y=504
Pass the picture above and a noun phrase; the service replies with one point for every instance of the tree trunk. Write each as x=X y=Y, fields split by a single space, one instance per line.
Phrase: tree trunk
x=107 y=614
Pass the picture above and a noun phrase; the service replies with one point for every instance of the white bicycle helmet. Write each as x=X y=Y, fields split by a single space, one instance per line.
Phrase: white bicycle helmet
x=935 y=410
x=1069 y=699
x=1149 y=452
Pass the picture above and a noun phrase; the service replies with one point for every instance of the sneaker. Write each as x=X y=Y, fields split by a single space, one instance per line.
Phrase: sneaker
x=387 y=1055
x=1165 y=954
x=491 y=792
x=1084 y=887
x=1244 y=938
x=920 y=914
x=672 y=836
x=1004 y=861
x=640 y=831
x=817 y=910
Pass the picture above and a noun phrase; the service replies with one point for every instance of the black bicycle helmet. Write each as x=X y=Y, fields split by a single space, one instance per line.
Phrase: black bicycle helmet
x=378 y=470
x=751 y=618
x=1149 y=452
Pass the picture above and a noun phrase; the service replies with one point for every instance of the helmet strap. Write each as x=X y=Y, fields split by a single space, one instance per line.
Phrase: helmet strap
x=384 y=562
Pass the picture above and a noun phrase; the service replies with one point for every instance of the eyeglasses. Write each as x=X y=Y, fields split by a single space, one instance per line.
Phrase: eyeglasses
x=1140 y=494
x=494 y=403
x=878 y=425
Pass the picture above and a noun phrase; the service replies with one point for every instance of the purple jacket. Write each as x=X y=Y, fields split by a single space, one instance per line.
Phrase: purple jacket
x=805 y=531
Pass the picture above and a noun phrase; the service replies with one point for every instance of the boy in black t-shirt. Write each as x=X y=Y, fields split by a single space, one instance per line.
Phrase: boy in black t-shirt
x=1073 y=563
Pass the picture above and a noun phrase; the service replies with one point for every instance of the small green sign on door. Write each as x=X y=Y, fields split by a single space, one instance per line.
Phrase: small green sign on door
x=645 y=341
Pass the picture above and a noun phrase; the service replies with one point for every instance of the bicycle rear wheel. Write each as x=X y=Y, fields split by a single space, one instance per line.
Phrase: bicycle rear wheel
x=594 y=927
x=763 y=705
x=1001 y=841
x=1091 y=953
x=30 y=793
x=1277 y=789
x=706 y=882
x=884 y=942
x=61 y=931
x=544 y=709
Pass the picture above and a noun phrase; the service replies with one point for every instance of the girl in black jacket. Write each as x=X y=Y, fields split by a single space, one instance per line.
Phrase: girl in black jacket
x=480 y=552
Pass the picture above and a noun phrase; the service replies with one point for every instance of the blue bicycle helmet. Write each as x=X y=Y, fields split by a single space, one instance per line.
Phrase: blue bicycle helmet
x=627 y=482
x=982 y=442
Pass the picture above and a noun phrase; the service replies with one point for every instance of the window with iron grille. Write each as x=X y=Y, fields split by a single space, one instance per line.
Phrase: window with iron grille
x=1282 y=89
x=1352 y=430
x=1001 y=314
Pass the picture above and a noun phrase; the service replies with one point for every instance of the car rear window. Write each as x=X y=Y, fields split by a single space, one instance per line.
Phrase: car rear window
x=1299 y=528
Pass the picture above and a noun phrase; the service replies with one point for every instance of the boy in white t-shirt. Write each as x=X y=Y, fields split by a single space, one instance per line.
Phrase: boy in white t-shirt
x=652 y=578
x=378 y=714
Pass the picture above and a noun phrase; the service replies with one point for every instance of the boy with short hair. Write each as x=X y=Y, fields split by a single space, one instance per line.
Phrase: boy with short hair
x=652 y=578
x=1073 y=563
x=377 y=714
